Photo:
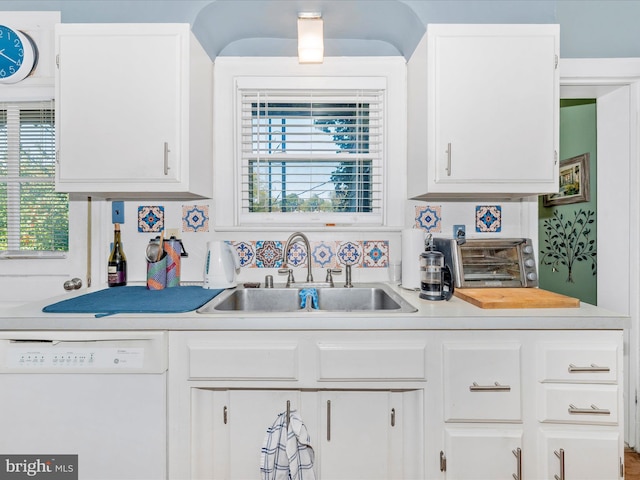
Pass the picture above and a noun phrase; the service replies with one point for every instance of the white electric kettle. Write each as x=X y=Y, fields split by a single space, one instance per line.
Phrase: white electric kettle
x=220 y=266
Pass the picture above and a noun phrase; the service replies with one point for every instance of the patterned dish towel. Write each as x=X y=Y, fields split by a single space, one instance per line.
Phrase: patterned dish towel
x=287 y=453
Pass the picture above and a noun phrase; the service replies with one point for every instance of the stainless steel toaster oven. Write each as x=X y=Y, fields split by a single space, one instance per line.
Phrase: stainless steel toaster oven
x=495 y=262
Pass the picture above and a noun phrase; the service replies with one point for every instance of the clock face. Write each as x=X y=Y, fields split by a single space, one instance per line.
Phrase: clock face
x=18 y=55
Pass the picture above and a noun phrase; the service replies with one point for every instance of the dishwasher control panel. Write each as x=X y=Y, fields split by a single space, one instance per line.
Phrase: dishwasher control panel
x=127 y=352
x=48 y=357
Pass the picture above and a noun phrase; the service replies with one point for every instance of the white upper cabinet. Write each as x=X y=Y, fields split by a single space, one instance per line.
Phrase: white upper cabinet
x=133 y=111
x=484 y=111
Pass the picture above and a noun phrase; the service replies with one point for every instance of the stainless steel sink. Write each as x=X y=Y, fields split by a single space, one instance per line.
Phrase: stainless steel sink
x=361 y=298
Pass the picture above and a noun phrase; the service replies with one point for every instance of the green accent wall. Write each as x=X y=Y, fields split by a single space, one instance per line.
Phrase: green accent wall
x=578 y=135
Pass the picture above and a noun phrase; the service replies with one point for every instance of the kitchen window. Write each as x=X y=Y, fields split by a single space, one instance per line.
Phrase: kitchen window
x=34 y=218
x=312 y=152
x=306 y=146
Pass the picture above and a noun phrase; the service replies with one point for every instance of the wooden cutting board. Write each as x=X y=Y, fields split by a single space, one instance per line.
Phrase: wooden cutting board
x=515 y=298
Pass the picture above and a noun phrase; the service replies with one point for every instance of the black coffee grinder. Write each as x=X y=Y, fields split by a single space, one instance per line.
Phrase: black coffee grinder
x=436 y=281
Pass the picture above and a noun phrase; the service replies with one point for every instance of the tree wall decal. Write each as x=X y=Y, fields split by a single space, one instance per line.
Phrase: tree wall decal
x=568 y=241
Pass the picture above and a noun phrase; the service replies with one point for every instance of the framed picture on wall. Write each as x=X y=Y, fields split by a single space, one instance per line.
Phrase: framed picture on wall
x=574 y=182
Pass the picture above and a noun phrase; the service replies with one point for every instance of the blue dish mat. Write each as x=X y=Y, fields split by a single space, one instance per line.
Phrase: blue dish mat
x=136 y=300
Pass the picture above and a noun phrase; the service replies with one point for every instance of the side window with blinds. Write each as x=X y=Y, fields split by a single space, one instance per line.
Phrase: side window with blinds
x=311 y=153
x=34 y=218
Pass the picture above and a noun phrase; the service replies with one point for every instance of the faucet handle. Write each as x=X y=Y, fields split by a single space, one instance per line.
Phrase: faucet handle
x=330 y=272
x=289 y=273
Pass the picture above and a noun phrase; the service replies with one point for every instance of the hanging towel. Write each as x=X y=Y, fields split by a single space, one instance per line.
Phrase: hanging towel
x=287 y=453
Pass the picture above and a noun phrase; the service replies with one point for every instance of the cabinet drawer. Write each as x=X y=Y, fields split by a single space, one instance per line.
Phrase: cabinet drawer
x=579 y=362
x=275 y=361
x=588 y=404
x=369 y=361
x=482 y=382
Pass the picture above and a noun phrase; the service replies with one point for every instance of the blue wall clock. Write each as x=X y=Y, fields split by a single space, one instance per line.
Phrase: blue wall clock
x=18 y=55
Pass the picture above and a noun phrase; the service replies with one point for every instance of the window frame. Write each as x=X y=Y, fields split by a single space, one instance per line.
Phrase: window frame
x=286 y=73
x=25 y=278
x=14 y=111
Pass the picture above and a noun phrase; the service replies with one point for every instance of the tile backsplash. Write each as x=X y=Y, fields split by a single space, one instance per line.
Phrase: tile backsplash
x=323 y=254
x=369 y=251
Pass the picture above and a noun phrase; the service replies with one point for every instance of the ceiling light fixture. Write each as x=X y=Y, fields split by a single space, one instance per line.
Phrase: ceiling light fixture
x=310 y=37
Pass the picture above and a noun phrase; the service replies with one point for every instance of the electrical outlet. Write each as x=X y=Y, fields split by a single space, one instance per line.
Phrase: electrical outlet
x=117 y=212
x=459 y=231
x=172 y=232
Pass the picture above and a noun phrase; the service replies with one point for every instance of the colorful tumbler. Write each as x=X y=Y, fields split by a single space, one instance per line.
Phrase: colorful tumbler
x=173 y=248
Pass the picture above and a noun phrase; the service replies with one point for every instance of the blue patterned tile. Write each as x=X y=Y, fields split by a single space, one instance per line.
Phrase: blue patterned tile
x=297 y=255
x=268 y=254
x=323 y=254
x=195 y=218
x=150 y=218
x=376 y=253
x=488 y=218
x=246 y=252
x=429 y=218
x=350 y=253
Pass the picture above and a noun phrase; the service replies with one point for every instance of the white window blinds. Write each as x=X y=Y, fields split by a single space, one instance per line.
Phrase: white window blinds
x=312 y=151
x=33 y=216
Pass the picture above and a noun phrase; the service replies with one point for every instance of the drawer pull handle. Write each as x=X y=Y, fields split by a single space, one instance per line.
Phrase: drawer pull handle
x=560 y=455
x=592 y=368
x=589 y=411
x=448 y=168
x=518 y=454
x=496 y=387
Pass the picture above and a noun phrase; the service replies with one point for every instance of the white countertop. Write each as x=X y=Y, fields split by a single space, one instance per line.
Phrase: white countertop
x=454 y=314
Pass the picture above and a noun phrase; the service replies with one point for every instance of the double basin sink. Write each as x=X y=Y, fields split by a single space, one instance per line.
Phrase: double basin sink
x=361 y=298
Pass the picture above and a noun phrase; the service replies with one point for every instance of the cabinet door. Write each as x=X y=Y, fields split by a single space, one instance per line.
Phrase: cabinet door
x=587 y=454
x=493 y=108
x=229 y=428
x=118 y=108
x=482 y=453
x=355 y=437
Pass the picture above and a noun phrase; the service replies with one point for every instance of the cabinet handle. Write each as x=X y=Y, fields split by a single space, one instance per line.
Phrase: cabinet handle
x=288 y=412
x=328 y=420
x=166 y=158
x=518 y=454
x=588 y=411
x=393 y=417
x=496 y=387
x=225 y=414
x=560 y=455
x=592 y=368
x=443 y=462
x=448 y=169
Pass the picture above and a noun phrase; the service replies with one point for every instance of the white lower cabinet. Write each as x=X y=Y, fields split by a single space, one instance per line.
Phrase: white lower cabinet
x=582 y=453
x=354 y=434
x=412 y=404
x=481 y=453
x=530 y=405
x=229 y=388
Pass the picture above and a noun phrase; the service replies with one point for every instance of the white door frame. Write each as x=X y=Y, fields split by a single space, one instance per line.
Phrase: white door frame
x=615 y=84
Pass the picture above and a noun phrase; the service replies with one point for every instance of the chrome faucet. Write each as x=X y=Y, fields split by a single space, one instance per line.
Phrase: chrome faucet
x=287 y=245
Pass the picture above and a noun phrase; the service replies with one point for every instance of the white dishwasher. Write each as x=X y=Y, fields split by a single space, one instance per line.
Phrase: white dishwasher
x=98 y=395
